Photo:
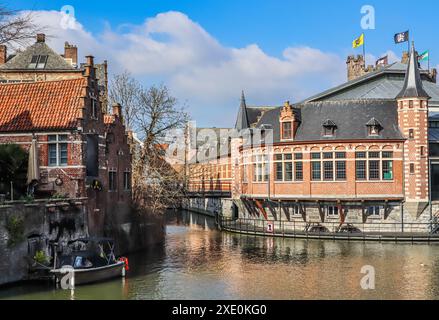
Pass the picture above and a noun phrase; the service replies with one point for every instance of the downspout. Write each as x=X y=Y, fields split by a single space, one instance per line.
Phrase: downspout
x=403 y=187
x=430 y=204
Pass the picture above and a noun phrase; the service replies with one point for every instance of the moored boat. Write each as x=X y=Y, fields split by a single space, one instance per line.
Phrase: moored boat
x=90 y=260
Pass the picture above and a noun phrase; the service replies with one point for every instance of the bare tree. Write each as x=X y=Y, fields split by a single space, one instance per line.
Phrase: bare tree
x=125 y=90
x=158 y=113
x=157 y=185
x=153 y=113
x=17 y=28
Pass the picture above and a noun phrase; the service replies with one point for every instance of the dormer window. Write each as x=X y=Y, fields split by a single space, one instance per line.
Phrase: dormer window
x=38 y=62
x=373 y=127
x=286 y=130
x=289 y=121
x=329 y=128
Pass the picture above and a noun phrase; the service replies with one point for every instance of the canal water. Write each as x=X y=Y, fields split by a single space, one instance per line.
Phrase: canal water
x=198 y=262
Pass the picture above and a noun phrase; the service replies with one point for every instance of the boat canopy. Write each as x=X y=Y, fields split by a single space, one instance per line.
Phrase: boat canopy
x=97 y=240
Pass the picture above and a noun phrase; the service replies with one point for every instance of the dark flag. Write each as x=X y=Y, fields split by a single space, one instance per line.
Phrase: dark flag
x=384 y=61
x=401 y=37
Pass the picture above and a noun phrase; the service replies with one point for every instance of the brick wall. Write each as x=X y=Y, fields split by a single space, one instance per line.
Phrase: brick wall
x=17 y=76
x=413 y=121
x=347 y=188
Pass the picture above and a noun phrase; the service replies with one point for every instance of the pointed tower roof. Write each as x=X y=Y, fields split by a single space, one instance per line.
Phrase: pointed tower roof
x=413 y=84
x=242 y=119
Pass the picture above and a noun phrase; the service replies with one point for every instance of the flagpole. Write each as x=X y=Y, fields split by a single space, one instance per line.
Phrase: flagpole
x=364 y=51
x=428 y=60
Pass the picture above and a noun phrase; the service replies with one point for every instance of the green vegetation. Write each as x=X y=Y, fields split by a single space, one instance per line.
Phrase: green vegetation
x=41 y=258
x=27 y=198
x=13 y=168
x=58 y=196
x=15 y=228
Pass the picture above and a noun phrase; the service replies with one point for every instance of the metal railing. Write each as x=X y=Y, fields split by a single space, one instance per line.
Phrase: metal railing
x=330 y=229
x=208 y=187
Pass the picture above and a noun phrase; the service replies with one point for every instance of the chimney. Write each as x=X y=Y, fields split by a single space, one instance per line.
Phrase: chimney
x=3 y=54
x=90 y=60
x=355 y=66
x=117 y=110
x=405 y=57
x=71 y=53
x=41 y=37
x=89 y=68
x=433 y=74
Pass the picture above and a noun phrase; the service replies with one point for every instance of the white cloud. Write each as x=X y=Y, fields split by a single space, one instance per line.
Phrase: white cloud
x=173 y=49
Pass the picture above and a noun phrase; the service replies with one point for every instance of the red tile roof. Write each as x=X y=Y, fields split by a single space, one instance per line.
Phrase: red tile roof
x=41 y=105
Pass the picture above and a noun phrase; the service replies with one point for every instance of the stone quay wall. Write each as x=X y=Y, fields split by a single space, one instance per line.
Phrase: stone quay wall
x=26 y=228
x=398 y=217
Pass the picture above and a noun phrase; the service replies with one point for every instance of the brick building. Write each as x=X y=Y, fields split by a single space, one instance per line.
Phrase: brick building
x=39 y=62
x=82 y=152
x=360 y=152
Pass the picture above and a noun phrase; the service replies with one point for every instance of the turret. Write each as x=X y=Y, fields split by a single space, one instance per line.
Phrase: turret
x=242 y=121
x=413 y=123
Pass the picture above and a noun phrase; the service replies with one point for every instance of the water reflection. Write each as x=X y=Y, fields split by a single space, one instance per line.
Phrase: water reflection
x=198 y=262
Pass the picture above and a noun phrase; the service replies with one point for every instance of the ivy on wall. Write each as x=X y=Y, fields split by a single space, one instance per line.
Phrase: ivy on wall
x=15 y=228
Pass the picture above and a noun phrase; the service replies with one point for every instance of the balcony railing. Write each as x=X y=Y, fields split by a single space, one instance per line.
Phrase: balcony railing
x=333 y=230
x=215 y=187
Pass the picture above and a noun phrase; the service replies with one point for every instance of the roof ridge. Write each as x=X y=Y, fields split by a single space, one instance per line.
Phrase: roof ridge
x=362 y=100
x=39 y=82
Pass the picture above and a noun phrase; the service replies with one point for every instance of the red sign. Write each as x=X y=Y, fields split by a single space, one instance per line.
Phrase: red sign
x=270 y=227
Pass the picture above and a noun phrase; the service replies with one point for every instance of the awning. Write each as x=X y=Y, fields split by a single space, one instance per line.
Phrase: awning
x=33 y=169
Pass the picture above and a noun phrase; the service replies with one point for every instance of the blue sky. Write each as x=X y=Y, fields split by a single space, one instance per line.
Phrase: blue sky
x=274 y=37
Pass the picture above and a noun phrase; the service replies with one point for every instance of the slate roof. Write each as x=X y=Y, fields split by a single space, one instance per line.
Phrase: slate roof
x=218 y=146
x=242 y=119
x=384 y=83
x=254 y=113
x=373 y=122
x=328 y=123
x=433 y=134
x=30 y=107
x=22 y=60
x=350 y=118
x=412 y=87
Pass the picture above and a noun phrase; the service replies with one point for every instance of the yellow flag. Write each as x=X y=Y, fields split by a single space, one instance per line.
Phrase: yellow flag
x=358 y=42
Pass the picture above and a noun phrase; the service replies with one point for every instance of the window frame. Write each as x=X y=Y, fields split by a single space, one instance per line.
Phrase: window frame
x=261 y=168
x=332 y=211
x=94 y=109
x=329 y=162
x=61 y=145
x=383 y=158
x=288 y=167
x=112 y=180
x=127 y=185
x=286 y=136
